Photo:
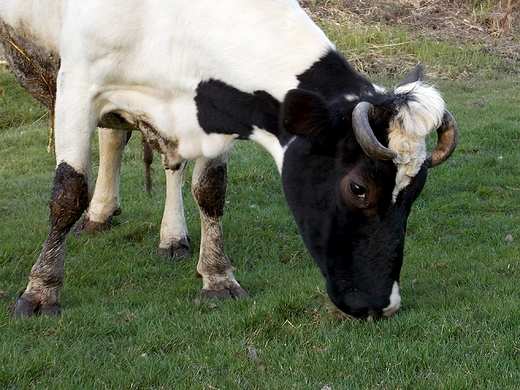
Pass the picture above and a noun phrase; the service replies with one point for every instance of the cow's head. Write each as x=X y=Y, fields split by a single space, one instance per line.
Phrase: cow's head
x=350 y=178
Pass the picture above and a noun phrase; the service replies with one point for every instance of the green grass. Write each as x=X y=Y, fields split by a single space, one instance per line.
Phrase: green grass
x=130 y=321
x=15 y=108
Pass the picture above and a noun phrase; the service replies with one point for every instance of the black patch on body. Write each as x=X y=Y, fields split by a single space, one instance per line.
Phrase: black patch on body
x=224 y=109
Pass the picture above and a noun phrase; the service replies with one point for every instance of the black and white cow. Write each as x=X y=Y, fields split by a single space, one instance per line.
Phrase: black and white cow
x=195 y=76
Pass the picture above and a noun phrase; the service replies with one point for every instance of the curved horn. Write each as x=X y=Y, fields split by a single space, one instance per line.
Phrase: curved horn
x=365 y=135
x=447 y=138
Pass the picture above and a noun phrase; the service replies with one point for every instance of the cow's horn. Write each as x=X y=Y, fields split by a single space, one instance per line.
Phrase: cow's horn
x=365 y=135
x=447 y=135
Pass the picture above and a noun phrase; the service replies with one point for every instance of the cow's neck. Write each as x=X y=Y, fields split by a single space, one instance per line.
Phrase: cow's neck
x=332 y=76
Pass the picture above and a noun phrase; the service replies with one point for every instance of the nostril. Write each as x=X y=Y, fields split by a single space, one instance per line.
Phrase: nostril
x=374 y=315
x=365 y=314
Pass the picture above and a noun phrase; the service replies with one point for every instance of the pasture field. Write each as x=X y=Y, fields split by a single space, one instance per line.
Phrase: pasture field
x=131 y=320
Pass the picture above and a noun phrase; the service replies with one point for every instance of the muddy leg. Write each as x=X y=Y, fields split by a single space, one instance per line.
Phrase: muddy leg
x=174 y=241
x=76 y=118
x=68 y=201
x=209 y=190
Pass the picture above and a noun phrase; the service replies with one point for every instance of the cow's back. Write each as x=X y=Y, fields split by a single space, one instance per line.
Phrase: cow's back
x=173 y=44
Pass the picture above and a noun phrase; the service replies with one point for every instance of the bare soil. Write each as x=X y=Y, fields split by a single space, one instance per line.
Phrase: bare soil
x=492 y=24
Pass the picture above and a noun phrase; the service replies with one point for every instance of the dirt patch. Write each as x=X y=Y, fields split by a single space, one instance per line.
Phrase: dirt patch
x=492 y=24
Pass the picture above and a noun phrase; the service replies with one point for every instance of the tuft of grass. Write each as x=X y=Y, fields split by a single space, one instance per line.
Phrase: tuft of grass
x=452 y=39
x=395 y=52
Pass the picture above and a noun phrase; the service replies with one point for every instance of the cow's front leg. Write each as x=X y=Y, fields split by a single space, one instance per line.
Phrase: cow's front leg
x=105 y=201
x=174 y=241
x=68 y=201
x=209 y=190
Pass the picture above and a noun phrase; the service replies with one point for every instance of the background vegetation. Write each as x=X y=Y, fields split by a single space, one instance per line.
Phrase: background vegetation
x=131 y=319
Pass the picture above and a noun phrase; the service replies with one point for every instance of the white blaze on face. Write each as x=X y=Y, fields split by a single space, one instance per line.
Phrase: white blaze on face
x=395 y=301
x=422 y=113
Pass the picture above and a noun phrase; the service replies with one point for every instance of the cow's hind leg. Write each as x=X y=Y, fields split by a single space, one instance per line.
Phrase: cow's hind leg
x=105 y=200
x=174 y=240
x=209 y=190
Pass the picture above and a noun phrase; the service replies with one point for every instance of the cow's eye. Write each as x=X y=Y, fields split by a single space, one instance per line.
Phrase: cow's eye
x=358 y=190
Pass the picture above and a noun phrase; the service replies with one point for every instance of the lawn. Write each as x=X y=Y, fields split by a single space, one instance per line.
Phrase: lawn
x=131 y=320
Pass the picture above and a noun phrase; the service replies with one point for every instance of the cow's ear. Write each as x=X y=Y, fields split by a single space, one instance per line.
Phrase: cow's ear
x=416 y=75
x=306 y=113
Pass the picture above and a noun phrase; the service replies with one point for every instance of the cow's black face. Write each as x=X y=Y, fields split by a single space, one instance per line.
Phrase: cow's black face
x=343 y=204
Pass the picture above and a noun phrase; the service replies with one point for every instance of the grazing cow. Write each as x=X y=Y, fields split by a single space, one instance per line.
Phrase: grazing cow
x=195 y=76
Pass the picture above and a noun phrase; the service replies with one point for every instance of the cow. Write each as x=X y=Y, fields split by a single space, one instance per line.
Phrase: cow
x=195 y=77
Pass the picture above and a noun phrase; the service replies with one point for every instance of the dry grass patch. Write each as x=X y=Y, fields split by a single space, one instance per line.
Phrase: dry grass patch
x=492 y=26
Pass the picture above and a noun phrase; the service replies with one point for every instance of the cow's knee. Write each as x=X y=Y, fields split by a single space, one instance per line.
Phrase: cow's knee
x=209 y=187
x=69 y=197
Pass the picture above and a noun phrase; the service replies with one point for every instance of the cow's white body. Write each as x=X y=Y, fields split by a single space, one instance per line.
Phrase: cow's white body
x=148 y=64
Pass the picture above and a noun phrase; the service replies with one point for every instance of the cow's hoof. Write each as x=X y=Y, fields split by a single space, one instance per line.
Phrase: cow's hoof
x=86 y=226
x=236 y=292
x=27 y=306
x=89 y=227
x=178 y=250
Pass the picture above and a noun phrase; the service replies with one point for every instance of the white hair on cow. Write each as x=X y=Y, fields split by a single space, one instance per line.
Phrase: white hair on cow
x=422 y=111
x=351 y=97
